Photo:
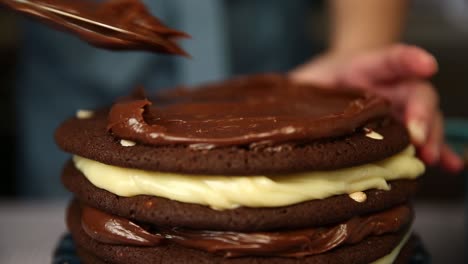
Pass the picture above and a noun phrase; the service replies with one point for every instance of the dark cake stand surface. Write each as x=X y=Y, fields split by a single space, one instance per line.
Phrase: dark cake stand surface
x=65 y=253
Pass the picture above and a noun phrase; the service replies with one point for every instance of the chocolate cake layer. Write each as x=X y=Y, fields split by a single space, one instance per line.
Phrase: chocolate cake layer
x=367 y=251
x=90 y=139
x=403 y=258
x=164 y=212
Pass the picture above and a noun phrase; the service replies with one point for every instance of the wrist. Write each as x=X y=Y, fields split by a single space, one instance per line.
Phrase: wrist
x=348 y=50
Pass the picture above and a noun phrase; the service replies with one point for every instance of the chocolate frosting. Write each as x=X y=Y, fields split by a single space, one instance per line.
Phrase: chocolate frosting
x=138 y=29
x=115 y=230
x=112 y=229
x=266 y=108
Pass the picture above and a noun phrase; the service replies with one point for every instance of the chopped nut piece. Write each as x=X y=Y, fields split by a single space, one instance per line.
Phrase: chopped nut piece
x=127 y=143
x=84 y=114
x=359 y=197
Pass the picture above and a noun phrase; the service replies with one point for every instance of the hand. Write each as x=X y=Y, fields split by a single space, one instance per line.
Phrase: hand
x=399 y=73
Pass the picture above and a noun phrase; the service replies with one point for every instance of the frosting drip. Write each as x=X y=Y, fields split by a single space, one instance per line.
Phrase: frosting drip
x=112 y=229
x=128 y=24
x=262 y=108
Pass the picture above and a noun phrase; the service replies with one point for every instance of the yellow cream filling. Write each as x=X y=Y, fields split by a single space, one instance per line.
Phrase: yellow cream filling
x=229 y=192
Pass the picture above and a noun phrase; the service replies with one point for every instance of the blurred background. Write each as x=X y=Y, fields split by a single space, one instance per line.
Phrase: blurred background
x=439 y=26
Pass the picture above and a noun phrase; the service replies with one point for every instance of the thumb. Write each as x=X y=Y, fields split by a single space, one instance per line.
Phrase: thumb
x=395 y=63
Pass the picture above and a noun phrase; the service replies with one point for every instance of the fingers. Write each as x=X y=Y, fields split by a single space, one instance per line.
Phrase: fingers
x=426 y=128
x=450 y=161
x=431 y=149
x=421 y=109
x=405 y=61
x=425 y=123
x=393 y=64
x=435 y=152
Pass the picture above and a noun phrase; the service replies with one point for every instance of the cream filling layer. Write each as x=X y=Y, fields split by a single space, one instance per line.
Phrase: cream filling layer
x=390 y=258
x=229 y=192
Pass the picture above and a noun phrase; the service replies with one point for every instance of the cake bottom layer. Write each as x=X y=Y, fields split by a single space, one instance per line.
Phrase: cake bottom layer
x=403 y=257
x=92 y=251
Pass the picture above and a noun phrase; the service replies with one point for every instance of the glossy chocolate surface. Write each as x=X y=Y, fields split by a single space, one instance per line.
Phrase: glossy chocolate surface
x=112 y=229
x=261 y=109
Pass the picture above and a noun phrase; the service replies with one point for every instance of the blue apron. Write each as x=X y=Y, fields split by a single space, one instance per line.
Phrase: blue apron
x=59 y=74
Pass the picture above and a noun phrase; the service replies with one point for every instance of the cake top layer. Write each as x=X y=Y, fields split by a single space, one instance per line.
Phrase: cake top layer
x=247 y=126
x=260 y=109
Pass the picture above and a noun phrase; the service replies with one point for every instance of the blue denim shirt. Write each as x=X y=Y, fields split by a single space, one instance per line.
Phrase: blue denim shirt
x=59 y=74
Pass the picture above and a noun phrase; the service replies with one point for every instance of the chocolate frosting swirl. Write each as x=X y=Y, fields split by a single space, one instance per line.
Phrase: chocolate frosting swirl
x=257 y=109
x=139 y=30
x=112 y=229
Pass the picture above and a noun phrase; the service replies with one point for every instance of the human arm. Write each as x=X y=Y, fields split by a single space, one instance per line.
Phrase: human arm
x=364 y=53
x=363 y=25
